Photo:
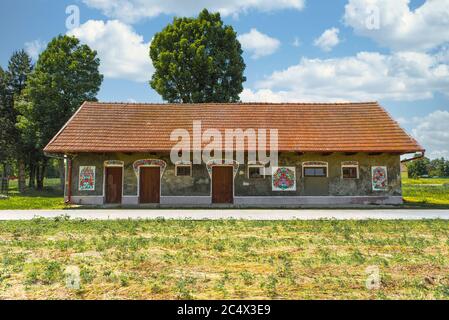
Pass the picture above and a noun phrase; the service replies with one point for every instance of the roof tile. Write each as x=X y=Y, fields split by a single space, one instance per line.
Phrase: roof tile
x=303 y=127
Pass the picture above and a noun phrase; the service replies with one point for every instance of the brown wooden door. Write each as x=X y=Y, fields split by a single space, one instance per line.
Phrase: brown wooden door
x=150 y=185
x=114 y=185
x=222 y=184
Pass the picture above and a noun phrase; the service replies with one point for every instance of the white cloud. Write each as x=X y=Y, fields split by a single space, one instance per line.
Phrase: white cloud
x=392 y=24
x=134 y=10
x=328 y=40
x=433 y=135
x=123 y=53
x=34 y=48
x=258 y=44
x=366 y=76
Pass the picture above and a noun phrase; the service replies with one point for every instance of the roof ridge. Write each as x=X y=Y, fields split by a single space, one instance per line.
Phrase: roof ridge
x=234 y=103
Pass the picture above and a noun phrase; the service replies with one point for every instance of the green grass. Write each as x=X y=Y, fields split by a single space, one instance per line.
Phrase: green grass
x=50 y=198
x=428 y=192
x=224 y=259
x=416 y=192
x=424 y=181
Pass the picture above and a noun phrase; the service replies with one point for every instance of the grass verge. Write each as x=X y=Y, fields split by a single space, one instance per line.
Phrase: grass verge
x=224 y=259
x=417 y=193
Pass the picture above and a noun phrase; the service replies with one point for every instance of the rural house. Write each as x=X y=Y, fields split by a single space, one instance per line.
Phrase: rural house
x=341 y=153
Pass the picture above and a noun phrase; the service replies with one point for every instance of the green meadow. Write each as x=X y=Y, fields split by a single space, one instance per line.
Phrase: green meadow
x=224 y=259
x=424 y=192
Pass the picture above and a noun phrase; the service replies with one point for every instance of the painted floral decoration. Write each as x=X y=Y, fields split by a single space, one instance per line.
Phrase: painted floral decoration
x=114 y=163
x=149 y=162
x=218 y=162
x=87 y=178
x=284 y=179
x=379 y=178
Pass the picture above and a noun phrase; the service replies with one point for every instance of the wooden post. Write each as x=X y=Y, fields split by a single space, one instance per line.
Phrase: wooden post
x=22 y=178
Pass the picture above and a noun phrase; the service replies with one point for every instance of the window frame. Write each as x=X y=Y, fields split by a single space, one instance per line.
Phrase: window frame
x=183 y=165
x=261 y=169
x=315 y=164
x=356 y=166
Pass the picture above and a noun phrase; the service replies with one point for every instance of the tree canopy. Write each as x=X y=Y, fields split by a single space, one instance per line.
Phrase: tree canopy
x=4 y=127
x=197 y=60
x=427 y=167
x=66 y=74
x=12 y=83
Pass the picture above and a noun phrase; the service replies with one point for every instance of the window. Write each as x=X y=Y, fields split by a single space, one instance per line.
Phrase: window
x=183 y=170
x=255 y=172
x=315 y=172
x=315 y=169
x=350 y=172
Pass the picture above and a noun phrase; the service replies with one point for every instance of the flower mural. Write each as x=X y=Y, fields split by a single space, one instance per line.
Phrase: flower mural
x=114 y=163
x=149 y=163
x=87 y=178
x=379 y=178
x=217 y=162
x=284 y=179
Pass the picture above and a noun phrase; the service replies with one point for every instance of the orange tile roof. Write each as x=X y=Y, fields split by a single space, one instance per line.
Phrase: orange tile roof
x=302 y=127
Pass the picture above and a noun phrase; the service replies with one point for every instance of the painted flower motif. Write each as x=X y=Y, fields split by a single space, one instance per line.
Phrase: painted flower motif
x=216 y=162
x=149 y=162
x=379 y=178
x=87 y=178
x=284 y=179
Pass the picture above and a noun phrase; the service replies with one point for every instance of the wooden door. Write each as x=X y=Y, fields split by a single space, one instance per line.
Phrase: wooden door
x=114 y=181
x=222 y=184
x=150 y=185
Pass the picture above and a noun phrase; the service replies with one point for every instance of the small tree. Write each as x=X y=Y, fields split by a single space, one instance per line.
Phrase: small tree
x=197 y=60
x=418 y=168
x=437 y=167
x=66 y=75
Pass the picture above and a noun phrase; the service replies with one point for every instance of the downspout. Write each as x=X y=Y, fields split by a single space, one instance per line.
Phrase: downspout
x=69 y=181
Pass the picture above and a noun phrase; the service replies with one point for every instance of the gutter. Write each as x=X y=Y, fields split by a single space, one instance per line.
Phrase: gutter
x=416 y=157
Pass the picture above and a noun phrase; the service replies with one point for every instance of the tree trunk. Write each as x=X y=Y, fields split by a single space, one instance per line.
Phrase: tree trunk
x=22 y=177
x=32 y=182
x=5 y=178
x=41 y=175
x=3 y=184
x=62 y=174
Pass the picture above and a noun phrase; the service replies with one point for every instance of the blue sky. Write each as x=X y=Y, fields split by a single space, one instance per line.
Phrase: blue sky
x=395 y=52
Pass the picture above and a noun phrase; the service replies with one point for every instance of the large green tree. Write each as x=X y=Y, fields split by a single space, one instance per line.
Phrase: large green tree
x=19 y=68
x=5 y=127
x=3 y=116
x=66 y=74
x=197 y=60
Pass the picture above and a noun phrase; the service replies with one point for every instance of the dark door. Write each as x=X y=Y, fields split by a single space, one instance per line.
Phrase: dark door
x=114 y=185
x=150 y=185
x=222 y=184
